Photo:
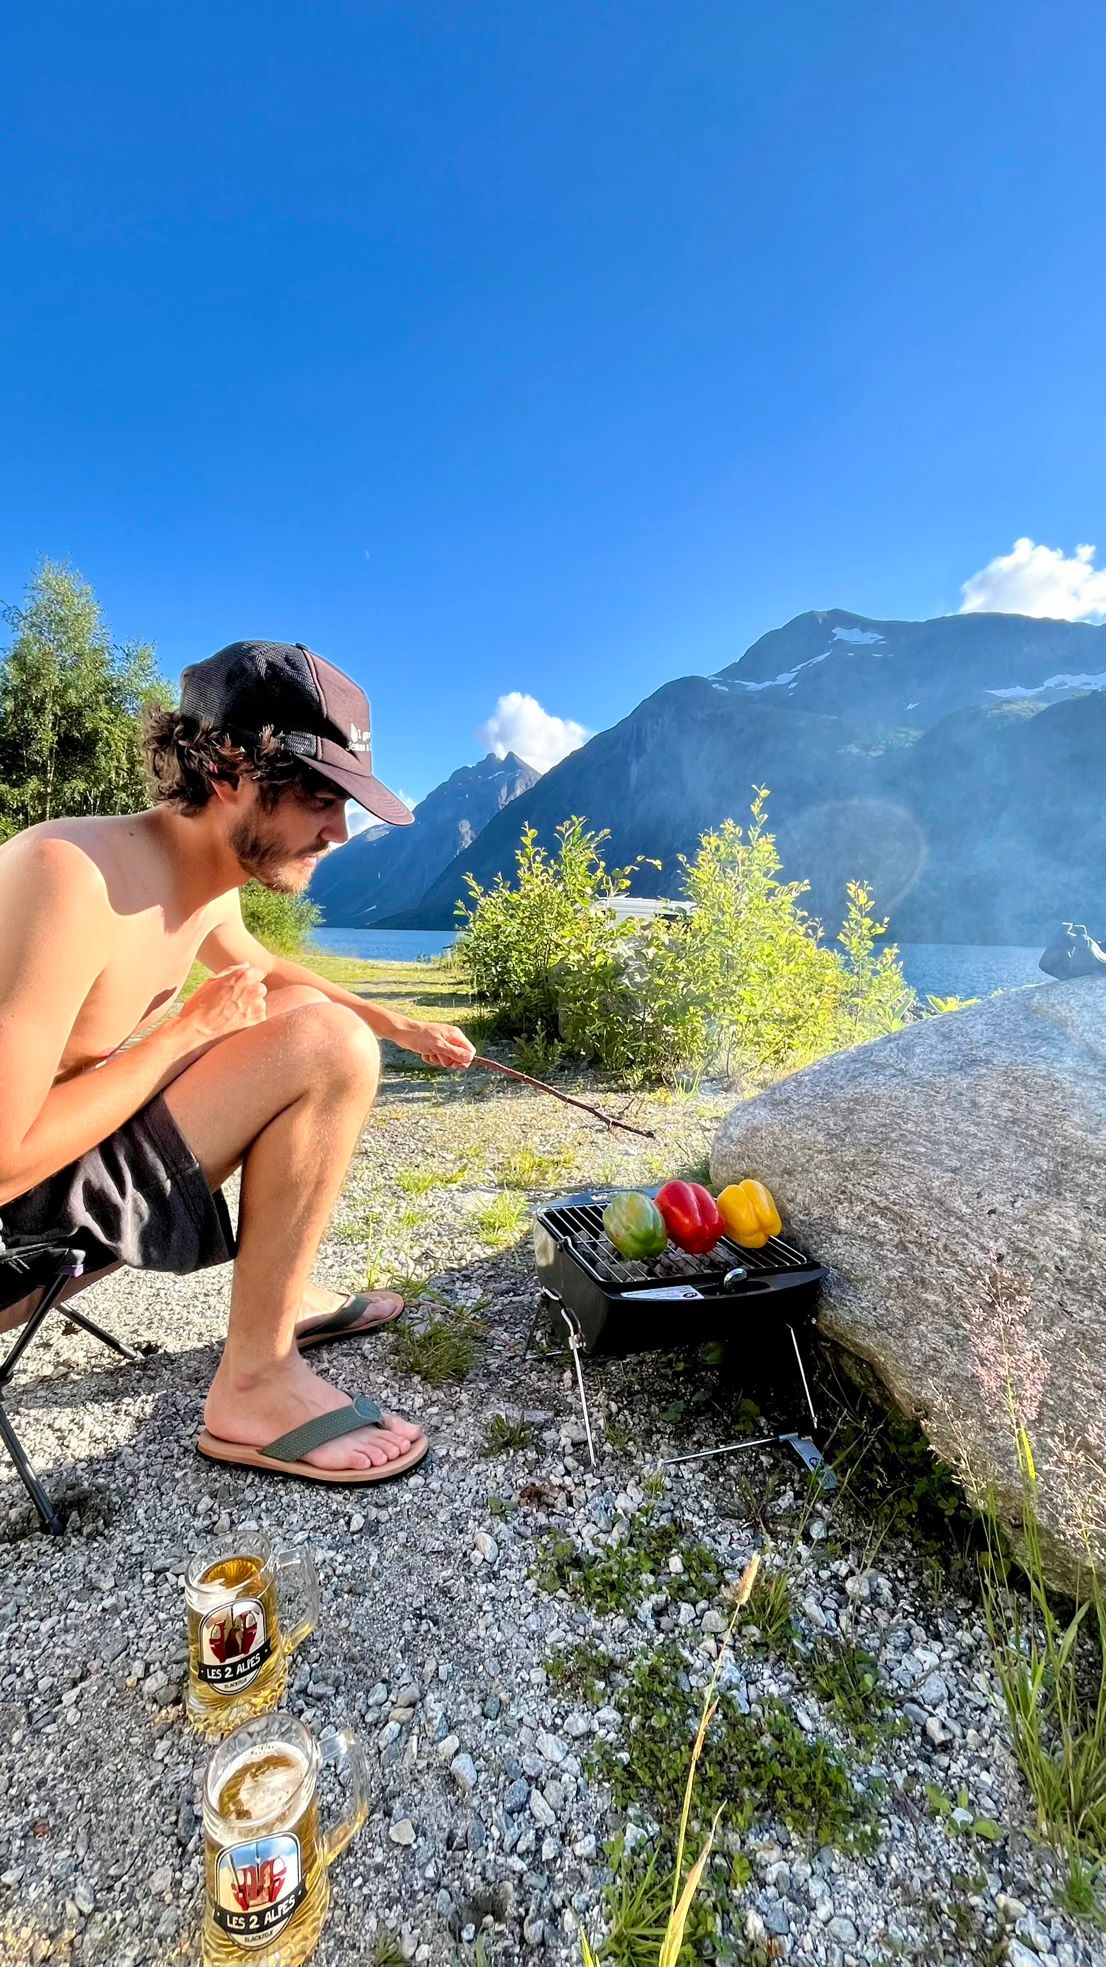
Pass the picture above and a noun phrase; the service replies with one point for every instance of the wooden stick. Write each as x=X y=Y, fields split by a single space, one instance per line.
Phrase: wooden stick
x=493 y=1065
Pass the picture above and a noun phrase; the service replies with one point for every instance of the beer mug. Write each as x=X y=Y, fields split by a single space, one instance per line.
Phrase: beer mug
x=240 y=1634
x=266 y=1857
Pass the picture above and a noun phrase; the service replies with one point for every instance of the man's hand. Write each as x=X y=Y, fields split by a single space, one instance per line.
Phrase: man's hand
x=229 y=1002
x=439 y=1044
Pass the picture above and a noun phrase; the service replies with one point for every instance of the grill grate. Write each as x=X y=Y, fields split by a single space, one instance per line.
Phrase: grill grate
x=580 y=1227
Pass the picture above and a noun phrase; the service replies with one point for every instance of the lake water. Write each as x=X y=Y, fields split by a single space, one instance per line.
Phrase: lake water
x=934 y=969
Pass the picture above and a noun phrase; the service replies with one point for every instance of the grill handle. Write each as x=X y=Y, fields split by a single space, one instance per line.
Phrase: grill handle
x=757 y=1285
x=778 y=1280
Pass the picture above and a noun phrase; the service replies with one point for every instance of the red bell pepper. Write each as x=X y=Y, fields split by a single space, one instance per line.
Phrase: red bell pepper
x=691 y=1216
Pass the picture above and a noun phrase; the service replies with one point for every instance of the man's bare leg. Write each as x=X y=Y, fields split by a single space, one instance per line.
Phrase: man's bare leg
x=287 y=1099
x=317 y=1301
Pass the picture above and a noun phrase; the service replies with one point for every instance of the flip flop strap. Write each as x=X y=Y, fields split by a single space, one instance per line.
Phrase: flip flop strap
x=339 y=1319
x=301 y=1441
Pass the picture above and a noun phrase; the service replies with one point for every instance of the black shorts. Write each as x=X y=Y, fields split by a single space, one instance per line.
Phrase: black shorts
x=140 y=1198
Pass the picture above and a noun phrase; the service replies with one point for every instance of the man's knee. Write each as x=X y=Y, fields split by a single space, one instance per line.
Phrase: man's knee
x=345 y=1051
x=292 y=997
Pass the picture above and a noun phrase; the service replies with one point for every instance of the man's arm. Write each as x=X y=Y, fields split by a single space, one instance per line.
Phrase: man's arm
x=229 y=941
x=56 y=940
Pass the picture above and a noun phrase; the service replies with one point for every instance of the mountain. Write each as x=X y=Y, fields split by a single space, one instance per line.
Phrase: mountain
x=915 y=673
x=386 y=867
x=960 y=772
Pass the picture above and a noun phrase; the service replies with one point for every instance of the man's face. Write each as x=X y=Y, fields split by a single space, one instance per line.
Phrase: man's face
x=280 y=848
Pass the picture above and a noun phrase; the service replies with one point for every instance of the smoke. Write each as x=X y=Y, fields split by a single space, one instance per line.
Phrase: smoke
x=1039 y=580
x=519 y=724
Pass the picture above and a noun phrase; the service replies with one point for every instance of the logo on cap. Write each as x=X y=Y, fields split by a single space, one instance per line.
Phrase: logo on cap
x=358 y=740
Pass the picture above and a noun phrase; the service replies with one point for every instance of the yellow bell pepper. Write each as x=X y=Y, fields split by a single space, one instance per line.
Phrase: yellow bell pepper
x=750 y=1214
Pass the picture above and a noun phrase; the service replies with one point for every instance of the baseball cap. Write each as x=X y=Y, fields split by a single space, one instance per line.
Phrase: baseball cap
x=319 y=714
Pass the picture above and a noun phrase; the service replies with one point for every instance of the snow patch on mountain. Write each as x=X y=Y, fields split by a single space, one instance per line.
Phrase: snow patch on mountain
x=856 y=635
x=786 y=679
x=1053 y=683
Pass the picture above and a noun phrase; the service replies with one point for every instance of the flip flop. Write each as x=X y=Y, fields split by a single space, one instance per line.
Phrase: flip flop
x=285 y=1456
x=343 y=1322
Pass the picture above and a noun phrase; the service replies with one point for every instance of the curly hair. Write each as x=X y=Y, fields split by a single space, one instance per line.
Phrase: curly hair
x=184 y=758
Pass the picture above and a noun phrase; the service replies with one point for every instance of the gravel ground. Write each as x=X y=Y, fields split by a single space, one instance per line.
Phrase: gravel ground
x=486 y=1831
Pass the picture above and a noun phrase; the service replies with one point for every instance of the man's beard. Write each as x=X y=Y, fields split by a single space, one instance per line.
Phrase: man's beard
x=267 y=862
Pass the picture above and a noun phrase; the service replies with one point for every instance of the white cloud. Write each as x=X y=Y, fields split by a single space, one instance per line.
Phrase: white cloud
x=357 y=820
x=519 y=724
x=1039 y=580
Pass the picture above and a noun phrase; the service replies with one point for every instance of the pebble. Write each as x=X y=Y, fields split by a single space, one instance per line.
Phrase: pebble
x=463 y=1770
x=403 y=1832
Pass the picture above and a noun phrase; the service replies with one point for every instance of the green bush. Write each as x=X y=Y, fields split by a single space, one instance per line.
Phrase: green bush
x=282 y=922
x=743 y=984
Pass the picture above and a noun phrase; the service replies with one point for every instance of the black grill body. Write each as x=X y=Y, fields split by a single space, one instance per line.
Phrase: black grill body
x=613 y=1300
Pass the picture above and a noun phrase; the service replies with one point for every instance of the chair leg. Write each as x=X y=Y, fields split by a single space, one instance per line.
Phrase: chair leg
x=95 y=1331
x=30 y=1326
x=47 y=1513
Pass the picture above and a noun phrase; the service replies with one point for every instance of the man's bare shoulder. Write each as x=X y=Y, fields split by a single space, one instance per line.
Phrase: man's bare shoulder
x=52 y=864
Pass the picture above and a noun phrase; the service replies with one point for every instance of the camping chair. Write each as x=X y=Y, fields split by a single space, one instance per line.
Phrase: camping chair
x=45 y=1263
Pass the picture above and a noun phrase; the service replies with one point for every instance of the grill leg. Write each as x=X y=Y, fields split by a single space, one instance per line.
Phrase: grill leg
x=574 y=1347
x=802 y=1376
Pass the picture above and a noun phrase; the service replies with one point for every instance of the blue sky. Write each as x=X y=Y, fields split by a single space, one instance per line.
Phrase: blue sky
x=544 y=347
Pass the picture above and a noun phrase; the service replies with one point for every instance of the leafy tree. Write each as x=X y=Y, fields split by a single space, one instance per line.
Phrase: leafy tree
x=69 y=704
x=743 y=983
x=282 y=922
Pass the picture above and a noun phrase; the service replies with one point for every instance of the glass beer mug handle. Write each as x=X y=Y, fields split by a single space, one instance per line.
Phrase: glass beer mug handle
x=346 y=1750
x=306 y=1592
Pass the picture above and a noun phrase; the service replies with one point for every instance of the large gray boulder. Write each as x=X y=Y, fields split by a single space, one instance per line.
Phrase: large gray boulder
x=953 y=1177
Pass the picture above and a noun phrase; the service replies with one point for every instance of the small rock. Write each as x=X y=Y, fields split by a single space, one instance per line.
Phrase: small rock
x=1018 y=1955
x=84 y=1898
x=403 y=1832
x=842 y=1930
x=933 y=1692
x=540 y=1810
x=447 y=1748
x=487 y=1546
x=463 y=1770
x=516 y=1796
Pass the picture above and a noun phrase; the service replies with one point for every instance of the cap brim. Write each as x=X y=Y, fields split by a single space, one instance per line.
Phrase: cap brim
x=365 y=789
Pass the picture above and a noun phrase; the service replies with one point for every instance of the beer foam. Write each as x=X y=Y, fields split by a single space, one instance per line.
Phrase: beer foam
x=261 y=1783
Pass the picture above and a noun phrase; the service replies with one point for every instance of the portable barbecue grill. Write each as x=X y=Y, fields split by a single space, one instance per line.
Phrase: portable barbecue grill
x=604 y=1305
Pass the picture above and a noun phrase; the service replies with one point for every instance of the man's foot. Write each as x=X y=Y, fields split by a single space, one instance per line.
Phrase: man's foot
x=319 y=1305
x=255 y=1409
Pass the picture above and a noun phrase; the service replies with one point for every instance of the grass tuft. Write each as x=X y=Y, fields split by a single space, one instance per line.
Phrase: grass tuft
x=421 y=1181
x=617 y=1578
x=505 y=1434
x=527 y=1168
x=444 y=1348
x=502 y=1220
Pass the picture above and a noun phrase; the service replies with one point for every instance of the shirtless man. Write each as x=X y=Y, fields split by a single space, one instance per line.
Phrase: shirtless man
x=267 y=1067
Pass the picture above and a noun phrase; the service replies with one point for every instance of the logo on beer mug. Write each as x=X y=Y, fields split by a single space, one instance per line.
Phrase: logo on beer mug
x=234 y=1645
x=258 y=1886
